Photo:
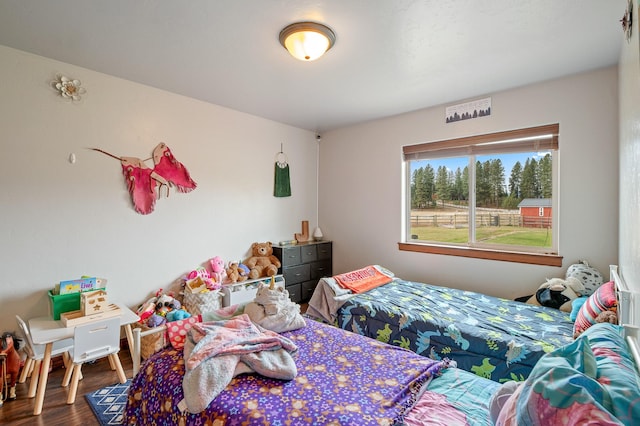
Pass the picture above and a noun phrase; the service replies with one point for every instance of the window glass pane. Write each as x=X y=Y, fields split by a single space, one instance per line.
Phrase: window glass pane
x=439 y=200
x=512 y=194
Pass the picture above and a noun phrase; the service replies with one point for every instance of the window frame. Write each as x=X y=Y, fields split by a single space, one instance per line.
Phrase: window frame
x=545 y=137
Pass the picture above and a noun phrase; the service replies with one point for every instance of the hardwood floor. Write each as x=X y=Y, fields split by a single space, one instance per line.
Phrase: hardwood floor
x=55 y=410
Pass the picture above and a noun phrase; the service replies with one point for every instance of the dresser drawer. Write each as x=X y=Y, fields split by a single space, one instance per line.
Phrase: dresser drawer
x=295 y=292
x=324 y=251
x=296 y=274
x=308 y=253
x=288 y=255
x=320 y=269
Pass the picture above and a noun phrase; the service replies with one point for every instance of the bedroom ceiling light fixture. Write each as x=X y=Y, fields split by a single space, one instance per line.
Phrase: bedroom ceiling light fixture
x=307 y=41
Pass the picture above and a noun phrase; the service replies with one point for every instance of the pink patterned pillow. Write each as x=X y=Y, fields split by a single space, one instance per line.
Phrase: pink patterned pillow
x=177 y=330
x=603 y=299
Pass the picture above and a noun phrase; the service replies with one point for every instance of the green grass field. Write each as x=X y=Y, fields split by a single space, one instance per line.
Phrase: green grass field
x=509 y=235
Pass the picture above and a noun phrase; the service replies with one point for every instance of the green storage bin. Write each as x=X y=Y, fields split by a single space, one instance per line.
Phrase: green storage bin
x=61 y=303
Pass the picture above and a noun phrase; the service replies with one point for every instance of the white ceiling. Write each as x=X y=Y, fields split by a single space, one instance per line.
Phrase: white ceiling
x=390 y=56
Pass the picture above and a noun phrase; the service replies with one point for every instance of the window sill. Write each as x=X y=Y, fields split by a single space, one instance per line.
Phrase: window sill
x=476 y=253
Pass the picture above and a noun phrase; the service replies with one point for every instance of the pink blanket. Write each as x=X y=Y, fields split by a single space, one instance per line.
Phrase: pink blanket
x=215 y=352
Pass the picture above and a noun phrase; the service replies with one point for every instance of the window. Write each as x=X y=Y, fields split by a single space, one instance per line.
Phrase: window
x=487 y=196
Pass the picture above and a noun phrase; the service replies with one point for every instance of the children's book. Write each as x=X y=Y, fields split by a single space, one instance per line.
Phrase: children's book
x=81 y=285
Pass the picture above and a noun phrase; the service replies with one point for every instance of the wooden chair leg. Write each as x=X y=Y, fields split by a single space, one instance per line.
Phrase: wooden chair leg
x=68 y=364
x=71 y=398
x=35 y=376
x=25 y=370
x=115 y=359
x=67 y=375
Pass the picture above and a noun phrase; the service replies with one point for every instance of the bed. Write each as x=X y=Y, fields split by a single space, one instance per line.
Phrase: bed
x=495 y=338
x=348 y=379
x=342 y=379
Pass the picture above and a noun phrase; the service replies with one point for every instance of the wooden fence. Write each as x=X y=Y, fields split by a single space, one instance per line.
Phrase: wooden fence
x=461 y=220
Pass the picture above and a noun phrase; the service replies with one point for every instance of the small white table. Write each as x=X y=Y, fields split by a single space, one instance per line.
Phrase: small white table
x=45 y=331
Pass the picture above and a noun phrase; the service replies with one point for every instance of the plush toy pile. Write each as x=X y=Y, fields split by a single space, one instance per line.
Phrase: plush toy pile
x=580 y=280
x=201 y=290
x=237 y=272
x=160 y=309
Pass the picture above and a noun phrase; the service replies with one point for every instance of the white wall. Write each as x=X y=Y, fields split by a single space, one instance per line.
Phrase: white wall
x=360 y=184
x=629 y=171
x=60 y=221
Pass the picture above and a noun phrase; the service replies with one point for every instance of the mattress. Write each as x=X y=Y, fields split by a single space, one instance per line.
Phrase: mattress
x=494 y=338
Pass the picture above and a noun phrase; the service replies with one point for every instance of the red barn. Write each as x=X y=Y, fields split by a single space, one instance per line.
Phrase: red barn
x=535 y=212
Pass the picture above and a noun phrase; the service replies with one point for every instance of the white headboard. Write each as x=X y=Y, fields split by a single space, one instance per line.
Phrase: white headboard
x=627 y=299
x=627 y=313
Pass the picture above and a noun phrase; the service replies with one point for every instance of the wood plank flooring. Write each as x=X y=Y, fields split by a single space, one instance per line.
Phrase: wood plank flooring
x=56 y=411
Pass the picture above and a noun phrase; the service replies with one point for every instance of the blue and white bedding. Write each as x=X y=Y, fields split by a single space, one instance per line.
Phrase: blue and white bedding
x=495 y=338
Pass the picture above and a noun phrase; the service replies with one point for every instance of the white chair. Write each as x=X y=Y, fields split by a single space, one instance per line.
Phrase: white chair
x=92 y=341
x=35 y=354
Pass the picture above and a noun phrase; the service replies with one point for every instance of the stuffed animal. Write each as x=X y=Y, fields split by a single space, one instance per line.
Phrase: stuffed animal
x=155 y=320
x=218 y=273
x=273 y=309
x=271 y=298
x=590 y=277
x=604 y=316
x=166 y=303
x=177 y=314
x=557 y=293
x=235 y=273
x=262 y=263
x=607 y=316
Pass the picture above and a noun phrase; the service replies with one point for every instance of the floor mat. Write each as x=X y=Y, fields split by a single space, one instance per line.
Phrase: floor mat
x=108 y=403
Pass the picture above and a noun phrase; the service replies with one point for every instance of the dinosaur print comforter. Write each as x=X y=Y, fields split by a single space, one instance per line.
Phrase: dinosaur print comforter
x=495 y=338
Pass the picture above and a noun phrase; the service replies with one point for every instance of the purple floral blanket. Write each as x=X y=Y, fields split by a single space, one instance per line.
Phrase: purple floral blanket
x=343 y=378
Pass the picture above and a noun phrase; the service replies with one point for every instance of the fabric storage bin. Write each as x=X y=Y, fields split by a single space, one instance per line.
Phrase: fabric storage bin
x=61 y=303
x=151 y=343
x=198 y=303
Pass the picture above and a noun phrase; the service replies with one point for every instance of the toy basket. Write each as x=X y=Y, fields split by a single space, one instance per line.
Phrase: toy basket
x=151 y=343
x=199 y=303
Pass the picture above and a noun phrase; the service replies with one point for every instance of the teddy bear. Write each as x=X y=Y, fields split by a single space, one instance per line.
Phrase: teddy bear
x=557 y=293
x=262 y=262
x=236 y=272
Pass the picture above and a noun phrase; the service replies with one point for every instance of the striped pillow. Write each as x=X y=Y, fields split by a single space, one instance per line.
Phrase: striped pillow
x=603 y=299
